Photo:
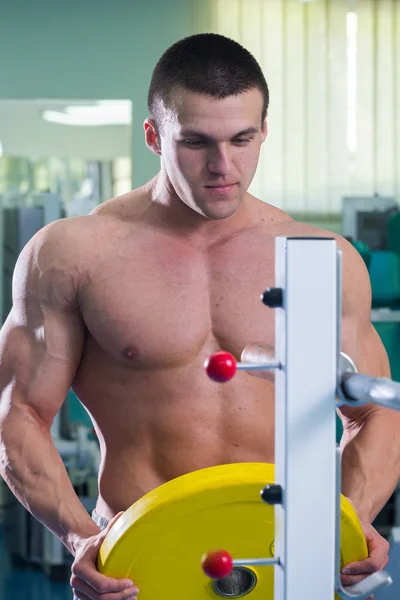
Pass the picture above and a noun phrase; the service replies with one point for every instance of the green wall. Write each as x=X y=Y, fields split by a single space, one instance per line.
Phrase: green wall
x=102 y=49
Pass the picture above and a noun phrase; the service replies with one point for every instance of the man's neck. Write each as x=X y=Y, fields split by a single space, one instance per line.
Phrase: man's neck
x=171 y=213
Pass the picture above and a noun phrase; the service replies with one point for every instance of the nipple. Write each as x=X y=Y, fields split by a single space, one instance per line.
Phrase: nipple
x=130 y=352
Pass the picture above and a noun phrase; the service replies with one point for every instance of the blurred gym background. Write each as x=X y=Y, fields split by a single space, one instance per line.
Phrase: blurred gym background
x=73 y=85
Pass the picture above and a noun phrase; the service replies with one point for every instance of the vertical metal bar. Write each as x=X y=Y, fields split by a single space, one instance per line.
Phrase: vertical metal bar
x=305 y=439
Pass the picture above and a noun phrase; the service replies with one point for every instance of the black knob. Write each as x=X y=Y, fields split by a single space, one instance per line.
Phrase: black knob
x=272 y=494
x=273 y=297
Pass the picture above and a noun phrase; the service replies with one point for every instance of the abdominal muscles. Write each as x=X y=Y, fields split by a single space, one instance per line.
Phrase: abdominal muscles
x=154 y=426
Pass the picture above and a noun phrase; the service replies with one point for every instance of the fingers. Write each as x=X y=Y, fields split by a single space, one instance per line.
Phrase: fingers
x=88 y=583
x=82 y=596
x=376 y=561
x=348 y=580
x=107 y=529
x=83 y=591
x=378 y=549
x=85 y=576
x=366 y=567
x=113 y=521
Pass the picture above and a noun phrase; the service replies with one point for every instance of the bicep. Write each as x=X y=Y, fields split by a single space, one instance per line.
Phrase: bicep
x=360 y=339
x=40 y=344
x=39 y=365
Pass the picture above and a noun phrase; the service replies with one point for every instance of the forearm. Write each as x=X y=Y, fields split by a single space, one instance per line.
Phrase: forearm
x=371 y=462
x=35 y=473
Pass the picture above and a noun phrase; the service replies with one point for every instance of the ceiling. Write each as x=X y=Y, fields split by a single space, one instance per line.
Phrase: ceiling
x=24 y=132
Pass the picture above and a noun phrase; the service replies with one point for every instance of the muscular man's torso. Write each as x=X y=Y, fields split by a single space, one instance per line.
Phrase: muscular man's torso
x=155 y=305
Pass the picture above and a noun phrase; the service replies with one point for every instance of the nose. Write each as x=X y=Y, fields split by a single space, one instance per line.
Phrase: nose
x=218 y=161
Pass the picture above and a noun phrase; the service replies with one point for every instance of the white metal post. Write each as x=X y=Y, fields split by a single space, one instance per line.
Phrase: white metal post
x=306 y=345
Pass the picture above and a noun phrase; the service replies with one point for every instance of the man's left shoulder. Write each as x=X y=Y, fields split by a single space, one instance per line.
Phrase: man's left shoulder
x=354 y=268
x=298 y=229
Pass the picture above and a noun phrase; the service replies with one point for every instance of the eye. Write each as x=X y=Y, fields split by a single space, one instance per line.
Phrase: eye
x=195 y=143
x=242 y=141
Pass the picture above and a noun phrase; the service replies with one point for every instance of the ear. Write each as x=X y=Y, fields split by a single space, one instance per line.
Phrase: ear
x=151 y=136
x=264 y=129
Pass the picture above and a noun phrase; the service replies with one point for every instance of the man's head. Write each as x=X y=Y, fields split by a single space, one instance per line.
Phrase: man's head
x=208 y=101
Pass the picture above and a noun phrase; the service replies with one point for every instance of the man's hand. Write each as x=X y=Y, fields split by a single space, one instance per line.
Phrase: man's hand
x=258 y=352
x=87 y=583
x=378 y=550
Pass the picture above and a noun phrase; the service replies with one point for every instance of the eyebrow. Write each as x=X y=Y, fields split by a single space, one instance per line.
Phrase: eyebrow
x=196 y=132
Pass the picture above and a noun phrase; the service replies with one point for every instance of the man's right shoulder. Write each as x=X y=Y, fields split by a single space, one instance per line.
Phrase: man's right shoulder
x=56 y=258
x=72 y=238
x=56 y=238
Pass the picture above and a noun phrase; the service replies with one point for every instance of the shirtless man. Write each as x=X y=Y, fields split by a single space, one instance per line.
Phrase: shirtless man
x=125 y=304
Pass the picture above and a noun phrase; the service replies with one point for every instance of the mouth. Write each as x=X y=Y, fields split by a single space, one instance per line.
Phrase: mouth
x=220 y=189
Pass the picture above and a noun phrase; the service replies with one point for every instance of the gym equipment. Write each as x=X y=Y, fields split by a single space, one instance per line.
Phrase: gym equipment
x=363 y=251
x=165 y=533
x=384 y=272
x=303 y=491
x=365 y=218
x=393 y=233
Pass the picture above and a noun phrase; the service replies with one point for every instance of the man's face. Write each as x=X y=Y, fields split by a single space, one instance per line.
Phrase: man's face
x=210 y=149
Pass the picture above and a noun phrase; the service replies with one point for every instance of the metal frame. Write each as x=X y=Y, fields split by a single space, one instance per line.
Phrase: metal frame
x=305 y=417
x=312 y=379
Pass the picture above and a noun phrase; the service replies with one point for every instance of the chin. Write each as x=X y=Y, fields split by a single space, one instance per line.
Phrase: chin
x=223 y=212
x=219 y=209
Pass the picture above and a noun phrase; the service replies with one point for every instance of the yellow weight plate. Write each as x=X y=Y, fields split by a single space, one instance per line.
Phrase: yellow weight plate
x=159 y=541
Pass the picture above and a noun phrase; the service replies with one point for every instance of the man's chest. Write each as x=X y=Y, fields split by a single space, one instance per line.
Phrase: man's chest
x=167 y=304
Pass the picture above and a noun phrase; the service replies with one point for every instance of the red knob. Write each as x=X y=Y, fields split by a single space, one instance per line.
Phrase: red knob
x=220 y=367
x=217 y=564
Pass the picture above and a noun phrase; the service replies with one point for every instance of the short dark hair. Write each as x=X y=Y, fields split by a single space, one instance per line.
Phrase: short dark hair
x=206 y=63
